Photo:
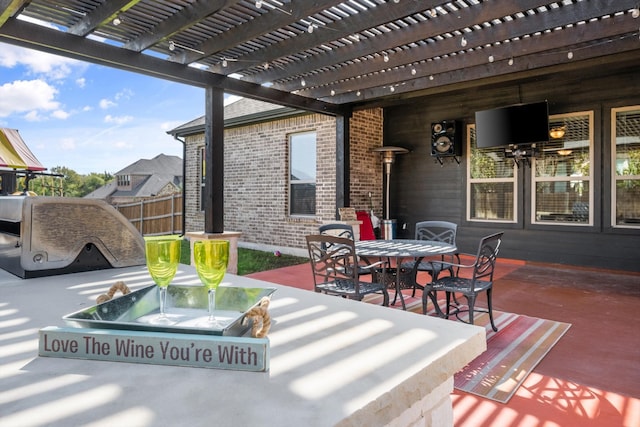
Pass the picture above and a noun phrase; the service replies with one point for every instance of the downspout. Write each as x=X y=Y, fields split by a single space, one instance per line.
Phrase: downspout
x=184 y=180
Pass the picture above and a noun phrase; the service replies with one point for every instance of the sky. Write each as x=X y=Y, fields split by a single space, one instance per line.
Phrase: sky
x=90 y=118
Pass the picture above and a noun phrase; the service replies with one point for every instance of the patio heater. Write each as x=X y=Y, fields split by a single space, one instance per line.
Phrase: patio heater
x=388 y=157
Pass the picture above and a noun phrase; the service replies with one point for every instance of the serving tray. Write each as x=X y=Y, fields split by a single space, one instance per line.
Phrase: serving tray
x=187 y=305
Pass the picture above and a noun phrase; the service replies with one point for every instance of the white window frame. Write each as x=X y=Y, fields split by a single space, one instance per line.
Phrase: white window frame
x=614 y=175
x=470 y=181
x=297 y=182
x=535 y=180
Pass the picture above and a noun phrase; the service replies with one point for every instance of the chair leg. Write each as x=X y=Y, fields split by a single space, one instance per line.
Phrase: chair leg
x=493 y=326
x=448 y=304
x=385 y=295
x=471 y=300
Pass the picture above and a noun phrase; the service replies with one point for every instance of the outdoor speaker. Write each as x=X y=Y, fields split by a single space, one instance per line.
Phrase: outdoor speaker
x=446 y=138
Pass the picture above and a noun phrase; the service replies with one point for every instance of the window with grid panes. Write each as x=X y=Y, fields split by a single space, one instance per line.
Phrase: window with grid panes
x=625 y=154
x=491 y=183
x=562 y=173
x=302 y=173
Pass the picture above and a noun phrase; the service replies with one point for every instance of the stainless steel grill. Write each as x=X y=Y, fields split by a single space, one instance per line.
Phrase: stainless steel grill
x=41 y=236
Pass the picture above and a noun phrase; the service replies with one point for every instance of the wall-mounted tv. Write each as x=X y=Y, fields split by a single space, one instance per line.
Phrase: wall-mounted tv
x=521 y=124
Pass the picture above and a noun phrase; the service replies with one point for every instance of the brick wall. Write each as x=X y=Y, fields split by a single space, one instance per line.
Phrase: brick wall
x=256 y=177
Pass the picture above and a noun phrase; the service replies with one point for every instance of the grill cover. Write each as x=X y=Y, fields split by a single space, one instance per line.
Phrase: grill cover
x=54 y=235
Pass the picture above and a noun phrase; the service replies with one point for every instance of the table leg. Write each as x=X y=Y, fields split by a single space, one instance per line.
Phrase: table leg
x=398 y=285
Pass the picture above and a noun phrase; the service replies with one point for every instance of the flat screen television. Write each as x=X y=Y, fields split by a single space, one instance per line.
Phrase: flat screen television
x=521 y=124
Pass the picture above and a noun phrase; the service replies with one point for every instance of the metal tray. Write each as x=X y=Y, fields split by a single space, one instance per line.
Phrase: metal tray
x=187 y=305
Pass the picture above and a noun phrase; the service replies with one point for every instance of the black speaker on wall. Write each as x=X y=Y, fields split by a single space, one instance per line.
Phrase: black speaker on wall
x=446 y=138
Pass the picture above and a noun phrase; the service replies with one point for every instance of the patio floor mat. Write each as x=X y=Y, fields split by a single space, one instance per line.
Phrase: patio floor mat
x=512 y=353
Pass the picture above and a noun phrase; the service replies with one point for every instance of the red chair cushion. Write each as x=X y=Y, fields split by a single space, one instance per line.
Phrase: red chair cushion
x=366 y=228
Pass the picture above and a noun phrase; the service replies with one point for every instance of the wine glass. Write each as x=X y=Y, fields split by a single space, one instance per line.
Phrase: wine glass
x=211 y=258
x=163 y=257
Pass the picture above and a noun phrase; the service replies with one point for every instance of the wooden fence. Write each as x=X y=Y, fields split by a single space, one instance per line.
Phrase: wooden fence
x=162 y=215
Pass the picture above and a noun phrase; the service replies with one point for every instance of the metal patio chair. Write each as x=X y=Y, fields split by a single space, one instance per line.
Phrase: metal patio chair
x=439 y=231
x=332 y=260
x=346 y=231
x=481 y=280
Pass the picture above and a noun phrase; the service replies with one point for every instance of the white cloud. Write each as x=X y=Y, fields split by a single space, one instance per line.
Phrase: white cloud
x=38 y=63
x=26 y=96
x=119 y=120
x=33 y=116
x=106 y=103
x=60 y=114
x=81 y=82
x=123 y=95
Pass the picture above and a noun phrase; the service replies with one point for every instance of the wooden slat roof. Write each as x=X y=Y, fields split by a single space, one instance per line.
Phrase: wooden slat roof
x=329 y=55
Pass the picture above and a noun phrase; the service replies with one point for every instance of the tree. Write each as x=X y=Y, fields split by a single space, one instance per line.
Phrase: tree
x=63 y=181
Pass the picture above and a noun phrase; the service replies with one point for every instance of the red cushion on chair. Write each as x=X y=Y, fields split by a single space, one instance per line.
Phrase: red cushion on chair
x=366 y=228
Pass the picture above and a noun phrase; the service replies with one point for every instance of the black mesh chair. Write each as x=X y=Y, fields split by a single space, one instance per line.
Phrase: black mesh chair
x=332 y=260
x=481 y=280
x=439 y=231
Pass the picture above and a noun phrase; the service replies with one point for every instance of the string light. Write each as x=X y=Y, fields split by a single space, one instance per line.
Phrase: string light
x=303 y=83
x=570 y=55
x=413 y=71
x=510 y=61
x=385 y=58
x=173 y=45
x=491 y=58
x=333 y=92
x=258 y=4
x=635 y=13
x=117 y=20
x=463 y=42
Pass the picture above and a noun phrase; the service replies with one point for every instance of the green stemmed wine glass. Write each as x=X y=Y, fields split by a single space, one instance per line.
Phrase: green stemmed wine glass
x=163 y=257
x=211 y=258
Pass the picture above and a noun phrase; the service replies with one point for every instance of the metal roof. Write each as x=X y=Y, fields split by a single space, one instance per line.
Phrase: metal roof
x=333 y=55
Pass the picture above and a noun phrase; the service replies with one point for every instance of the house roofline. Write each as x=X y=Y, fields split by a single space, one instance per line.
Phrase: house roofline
x=253 y=118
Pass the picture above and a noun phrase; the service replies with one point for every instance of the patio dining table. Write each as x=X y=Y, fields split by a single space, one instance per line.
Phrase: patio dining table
x=398 y=250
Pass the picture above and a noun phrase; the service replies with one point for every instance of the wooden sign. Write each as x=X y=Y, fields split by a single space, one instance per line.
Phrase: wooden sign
x=158 y=348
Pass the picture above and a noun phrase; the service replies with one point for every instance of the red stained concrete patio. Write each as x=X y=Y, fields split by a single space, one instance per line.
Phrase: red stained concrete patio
x=590 y=378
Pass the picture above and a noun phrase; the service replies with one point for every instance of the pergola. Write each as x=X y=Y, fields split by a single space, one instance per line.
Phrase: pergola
x=330 y=56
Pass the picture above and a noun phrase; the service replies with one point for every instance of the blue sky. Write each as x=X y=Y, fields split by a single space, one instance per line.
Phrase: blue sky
x=87 y=117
